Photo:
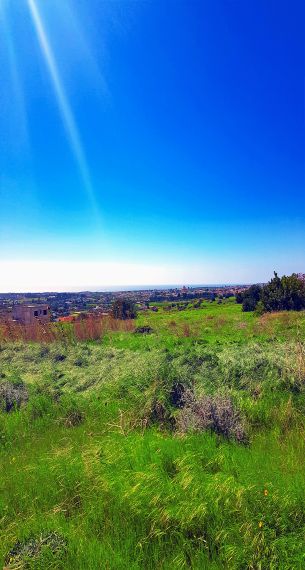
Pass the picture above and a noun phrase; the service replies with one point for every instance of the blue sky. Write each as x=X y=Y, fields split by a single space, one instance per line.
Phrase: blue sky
x=150 y=142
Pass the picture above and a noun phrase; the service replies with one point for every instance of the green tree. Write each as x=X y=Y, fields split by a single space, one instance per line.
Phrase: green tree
x=123 y=309
x=239 y=297
x=284 y=294
x=251 y=297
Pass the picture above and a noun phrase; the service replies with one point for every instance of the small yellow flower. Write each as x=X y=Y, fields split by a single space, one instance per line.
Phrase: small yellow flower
x=260 y=524
x=265 y=492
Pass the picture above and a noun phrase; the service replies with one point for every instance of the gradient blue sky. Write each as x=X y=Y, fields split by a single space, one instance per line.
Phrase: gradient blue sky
x=163 y=142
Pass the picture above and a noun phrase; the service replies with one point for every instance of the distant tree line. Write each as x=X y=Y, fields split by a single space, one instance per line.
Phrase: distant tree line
x=285 y=293
x=159 y=297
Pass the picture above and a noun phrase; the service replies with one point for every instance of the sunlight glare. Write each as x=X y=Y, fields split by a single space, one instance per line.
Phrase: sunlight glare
x=21 y=120
x=65 y=108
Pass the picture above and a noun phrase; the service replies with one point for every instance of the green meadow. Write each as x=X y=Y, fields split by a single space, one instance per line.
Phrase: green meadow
x=179 y=448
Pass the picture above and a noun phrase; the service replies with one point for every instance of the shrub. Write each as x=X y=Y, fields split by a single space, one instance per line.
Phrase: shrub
x=259 y=309
x=59 y=357
x=285 y=293
x=251 y=297
x=239 y=297
x=177 y=395
x=144 y=330
x=80 y=361
x=74 y=418
x=71 y=412
x=33 y=549
x=215 y=413
x=12 y=395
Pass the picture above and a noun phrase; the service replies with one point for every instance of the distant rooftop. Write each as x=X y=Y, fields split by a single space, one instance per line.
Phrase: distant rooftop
x=32 y=306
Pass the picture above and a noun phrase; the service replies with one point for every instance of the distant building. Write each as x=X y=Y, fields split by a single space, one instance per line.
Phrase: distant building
x=29 y=314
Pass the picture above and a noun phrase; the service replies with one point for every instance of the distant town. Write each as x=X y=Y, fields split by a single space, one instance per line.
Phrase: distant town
x=71 y=306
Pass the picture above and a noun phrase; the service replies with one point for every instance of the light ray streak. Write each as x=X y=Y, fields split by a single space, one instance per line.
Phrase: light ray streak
x=15 y=78
x=64 y=106
x=91 y=62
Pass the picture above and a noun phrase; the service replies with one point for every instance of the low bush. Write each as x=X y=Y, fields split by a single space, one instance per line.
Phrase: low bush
x=59 y=357
x=74 y=418
x=143 y=330
x=35 y=550
x=71 y=411
x=12 y=395
x=215 y=413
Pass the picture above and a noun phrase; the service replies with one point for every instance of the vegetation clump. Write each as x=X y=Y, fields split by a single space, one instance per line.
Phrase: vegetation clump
x=144 y=330
x=123 y=309
x=59 y=357
x=285 y=293
x=251 y=297
x=12 y=395
x=216 y=413
x=24 y=554
x=74 y=417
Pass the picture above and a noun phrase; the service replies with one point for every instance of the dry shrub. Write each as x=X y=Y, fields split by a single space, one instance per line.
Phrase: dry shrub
x=263 y=325
x=36 y=332
x=158 y=413
x=294 y=367
x=90 y=328
x=74 y=418
x=269 y=322
x=220 y=322
x=186 y=330
x=300 y=363
x=215 y=413
x=31 y=549
x=128 y=325
x=286 y=318
x=241 y=325
x=12 y=395
x=118 y=325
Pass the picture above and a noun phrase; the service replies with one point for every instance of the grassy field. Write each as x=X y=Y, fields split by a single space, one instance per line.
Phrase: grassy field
x=182 y=448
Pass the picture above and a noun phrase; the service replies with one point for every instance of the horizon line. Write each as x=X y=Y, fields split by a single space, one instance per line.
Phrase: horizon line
x=125 y=288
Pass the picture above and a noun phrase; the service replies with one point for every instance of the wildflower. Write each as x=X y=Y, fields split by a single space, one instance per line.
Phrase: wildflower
x=260 y=524
x=265 y=492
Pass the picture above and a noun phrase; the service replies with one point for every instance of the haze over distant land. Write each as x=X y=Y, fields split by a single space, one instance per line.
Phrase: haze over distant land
x=145 y=145
x=28 y=276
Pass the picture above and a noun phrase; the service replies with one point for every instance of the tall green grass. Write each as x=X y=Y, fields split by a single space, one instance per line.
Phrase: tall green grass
x=144 y=498
x=96 y=455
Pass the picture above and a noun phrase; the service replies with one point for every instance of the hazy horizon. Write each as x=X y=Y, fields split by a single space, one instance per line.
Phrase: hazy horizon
x=42 y=276
x=122 y=288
